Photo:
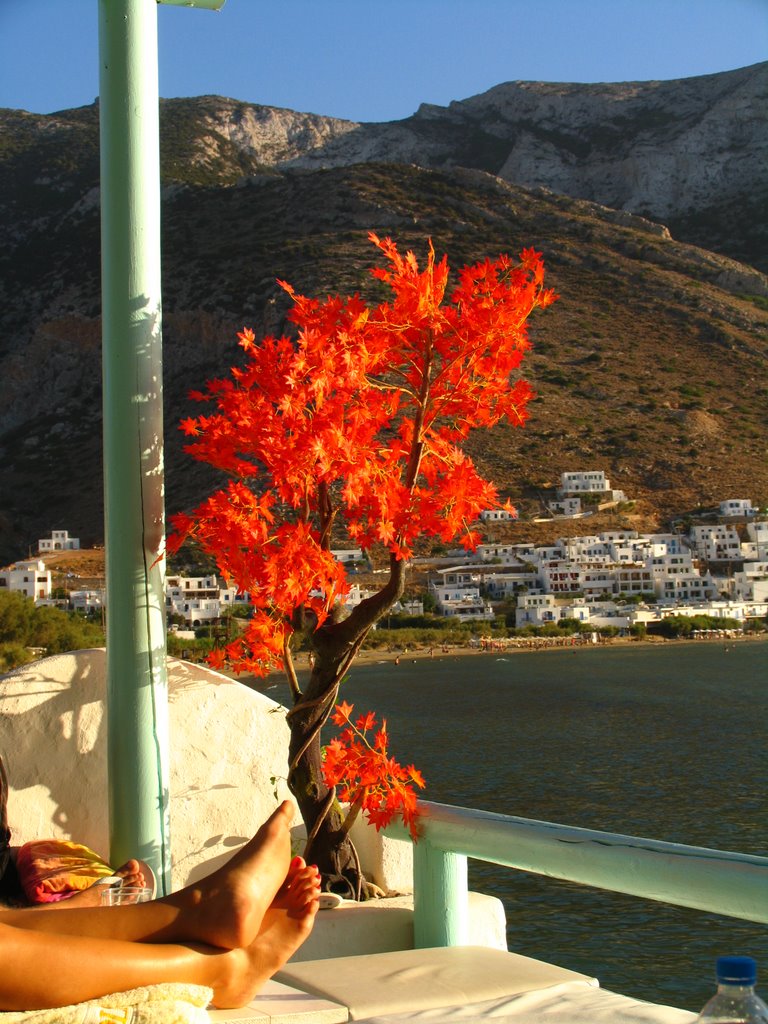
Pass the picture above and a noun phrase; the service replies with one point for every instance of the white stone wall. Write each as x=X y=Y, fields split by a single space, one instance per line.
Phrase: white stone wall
x=225 y=742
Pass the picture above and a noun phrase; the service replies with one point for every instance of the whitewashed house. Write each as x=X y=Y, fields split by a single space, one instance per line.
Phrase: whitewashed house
x=354 y=596
x=547 y=553
x=608 y=614
x=598 y=582
x=469 y=607
x=29 y=578
x=620 y=546
x=457 y=595
x=499 y=585
x=199 y=599
x=757 y=533
x=566 y=507
x=665 y=543
x=671 y=566
x=737 y=507
x=591 y=482
x=540 y=609
x=497 y=515
x=409 y=606
x=453 y=578
x=687 y=588
x=505 y=554
x=635 y=579
x=87 y=601
x=716 y=543
x=740 y=610
x=58 y=541
x=347 y=555
x=560 y=576
x=748 y=584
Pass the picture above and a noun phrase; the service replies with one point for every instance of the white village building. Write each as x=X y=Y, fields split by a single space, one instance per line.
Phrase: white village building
x=505 y=554
x=347 y=555
x=747 y=584
x=199 y=599
x=457 y=595
x=592 y=482
x=497 y=515
x=566 y=507
x=87 y=601
x=58 y=541
x=737 y=507
x=29 y=578
x=716 y=543
x=540 y=609
x=756 y=546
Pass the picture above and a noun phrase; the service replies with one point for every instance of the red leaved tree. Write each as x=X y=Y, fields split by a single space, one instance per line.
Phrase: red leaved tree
x=356 y=421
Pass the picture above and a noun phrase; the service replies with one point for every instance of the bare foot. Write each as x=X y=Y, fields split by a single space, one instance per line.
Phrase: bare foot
x=132 y=873
x=135 y=872
x=299 y=878
x=286 y=925
x=226 y=909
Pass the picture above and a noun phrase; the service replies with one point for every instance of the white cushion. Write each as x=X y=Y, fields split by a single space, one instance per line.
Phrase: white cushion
x=421 y=979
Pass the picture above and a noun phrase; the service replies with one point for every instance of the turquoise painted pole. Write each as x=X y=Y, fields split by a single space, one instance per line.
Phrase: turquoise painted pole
x=440 y=897
x=134 y=505
x=137 y=691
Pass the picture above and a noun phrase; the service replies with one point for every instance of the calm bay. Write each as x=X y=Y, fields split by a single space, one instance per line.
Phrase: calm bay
x=665 y=742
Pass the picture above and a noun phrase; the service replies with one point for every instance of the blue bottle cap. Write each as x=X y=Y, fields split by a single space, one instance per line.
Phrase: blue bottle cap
x=736 y=970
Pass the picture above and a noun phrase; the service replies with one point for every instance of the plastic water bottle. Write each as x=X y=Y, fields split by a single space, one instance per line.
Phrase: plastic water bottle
x=735 y=1001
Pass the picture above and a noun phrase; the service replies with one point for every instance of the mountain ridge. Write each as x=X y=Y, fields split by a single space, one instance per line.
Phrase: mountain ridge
x=651 y=366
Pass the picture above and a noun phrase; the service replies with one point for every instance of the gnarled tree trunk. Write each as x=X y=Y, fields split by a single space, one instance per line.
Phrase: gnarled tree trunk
x=335 y=646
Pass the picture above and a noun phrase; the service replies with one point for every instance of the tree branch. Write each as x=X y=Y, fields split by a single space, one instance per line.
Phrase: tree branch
x=290 y=669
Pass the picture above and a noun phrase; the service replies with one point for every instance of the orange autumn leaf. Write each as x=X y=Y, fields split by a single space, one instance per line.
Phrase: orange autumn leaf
x=342 y=712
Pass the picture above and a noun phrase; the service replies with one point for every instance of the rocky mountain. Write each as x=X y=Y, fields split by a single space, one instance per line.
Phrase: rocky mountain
x=651 y=366
x=690 y=153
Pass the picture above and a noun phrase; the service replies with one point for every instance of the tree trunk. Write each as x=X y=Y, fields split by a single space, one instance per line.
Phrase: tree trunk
x=335 y=647
x=328 y=845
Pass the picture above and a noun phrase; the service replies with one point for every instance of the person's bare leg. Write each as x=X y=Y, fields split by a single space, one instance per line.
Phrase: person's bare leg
x=83 y=967
x=225 y=909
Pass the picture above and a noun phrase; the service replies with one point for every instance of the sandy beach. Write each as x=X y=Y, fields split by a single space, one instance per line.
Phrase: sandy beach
x=408 y=654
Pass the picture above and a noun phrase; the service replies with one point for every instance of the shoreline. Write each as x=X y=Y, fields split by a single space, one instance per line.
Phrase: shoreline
x=535 y=645
x=525 y=645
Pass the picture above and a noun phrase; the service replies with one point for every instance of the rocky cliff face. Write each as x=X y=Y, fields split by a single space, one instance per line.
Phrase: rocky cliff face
x=687 y=151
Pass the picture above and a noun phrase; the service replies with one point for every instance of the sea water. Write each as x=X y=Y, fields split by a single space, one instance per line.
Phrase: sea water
x=665 y=742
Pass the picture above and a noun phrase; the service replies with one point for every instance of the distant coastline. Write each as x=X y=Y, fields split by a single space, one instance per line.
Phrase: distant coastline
x=526 y=645
x=408 y=655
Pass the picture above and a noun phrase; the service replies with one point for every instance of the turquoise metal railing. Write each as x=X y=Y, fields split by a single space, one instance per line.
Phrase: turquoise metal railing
x=732 y=884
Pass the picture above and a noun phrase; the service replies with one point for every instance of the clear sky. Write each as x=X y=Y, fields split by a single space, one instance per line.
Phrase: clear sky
x=376 y=60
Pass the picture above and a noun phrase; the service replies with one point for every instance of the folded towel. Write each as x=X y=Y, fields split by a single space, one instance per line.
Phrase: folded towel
x=53 y=869
x=155 y=1004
